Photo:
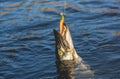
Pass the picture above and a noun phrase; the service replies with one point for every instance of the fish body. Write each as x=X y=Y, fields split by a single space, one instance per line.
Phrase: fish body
x=69 y=64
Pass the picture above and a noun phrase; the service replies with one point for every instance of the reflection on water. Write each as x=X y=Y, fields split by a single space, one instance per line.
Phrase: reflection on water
x=27 y=41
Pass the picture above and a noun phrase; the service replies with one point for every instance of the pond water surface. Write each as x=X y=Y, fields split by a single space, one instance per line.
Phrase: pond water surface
x=27 y=46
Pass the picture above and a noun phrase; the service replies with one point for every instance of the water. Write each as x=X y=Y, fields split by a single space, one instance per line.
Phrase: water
x=27 y=41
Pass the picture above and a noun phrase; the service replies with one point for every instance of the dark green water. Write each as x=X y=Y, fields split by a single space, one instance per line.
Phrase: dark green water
x=27 y=43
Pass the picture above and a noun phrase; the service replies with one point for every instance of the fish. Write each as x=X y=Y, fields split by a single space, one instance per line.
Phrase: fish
x=69 y=64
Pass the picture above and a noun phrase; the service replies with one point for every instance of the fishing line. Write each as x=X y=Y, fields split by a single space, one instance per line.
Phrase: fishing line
x=64 y=7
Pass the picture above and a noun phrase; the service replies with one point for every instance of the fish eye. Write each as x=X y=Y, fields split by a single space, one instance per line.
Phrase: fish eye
x=60 y=53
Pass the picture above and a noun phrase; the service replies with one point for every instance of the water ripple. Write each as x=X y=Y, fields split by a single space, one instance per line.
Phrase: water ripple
x=27 y=40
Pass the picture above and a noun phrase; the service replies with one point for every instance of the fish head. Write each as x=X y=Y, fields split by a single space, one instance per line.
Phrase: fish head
x=63 y=50
x=64 y=45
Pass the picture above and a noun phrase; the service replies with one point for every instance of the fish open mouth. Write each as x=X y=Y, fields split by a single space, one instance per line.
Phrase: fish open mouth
x=60 y=37
x=62 y=41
